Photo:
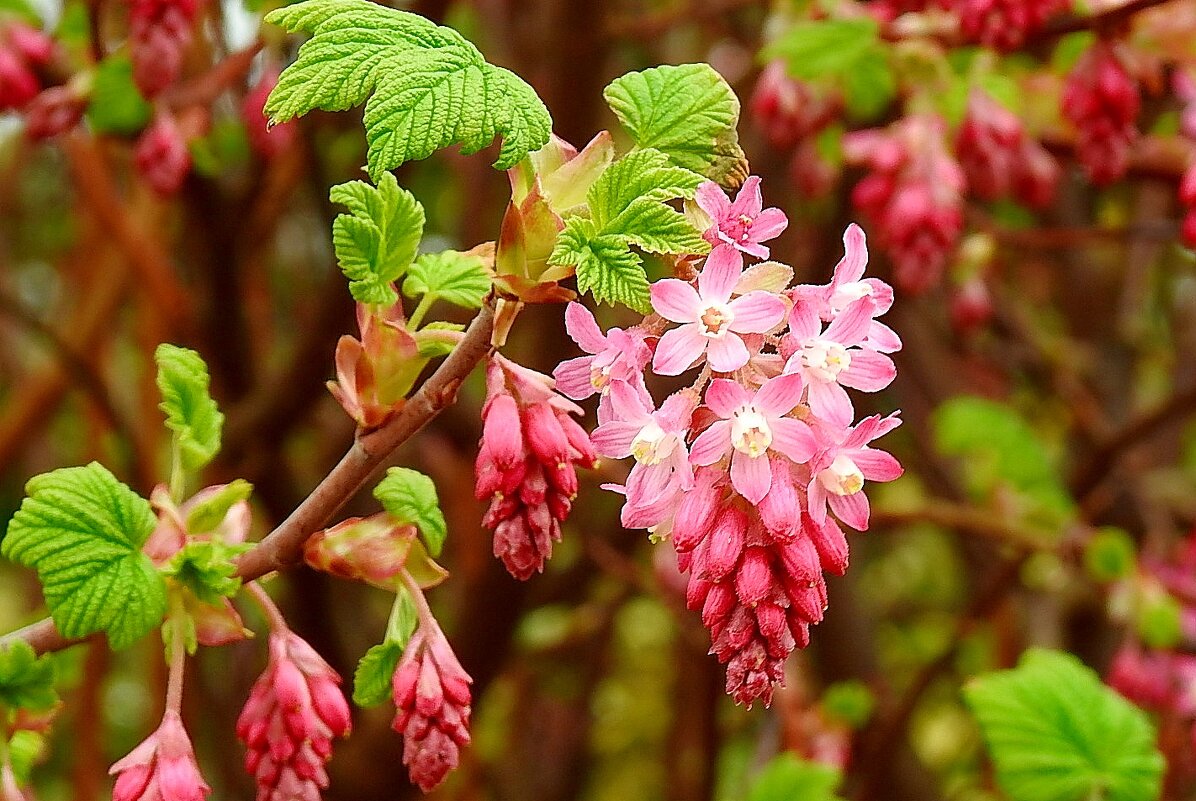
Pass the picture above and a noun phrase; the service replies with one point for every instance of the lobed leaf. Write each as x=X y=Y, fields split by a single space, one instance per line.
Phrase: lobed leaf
x=459 y=278
x=191 y=414
x=26 y=680
x=375 y=670
x=377 y=241
x=410 y=498
x=82 y=530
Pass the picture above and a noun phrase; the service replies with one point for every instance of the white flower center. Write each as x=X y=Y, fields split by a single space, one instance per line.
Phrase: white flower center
x=847 y=294
x=750 y=433
x=842 y=477
x=653 y=444
x=715 y=319
x=824 y=359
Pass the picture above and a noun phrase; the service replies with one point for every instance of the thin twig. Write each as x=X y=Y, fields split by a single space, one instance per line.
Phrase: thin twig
x=1109 y=18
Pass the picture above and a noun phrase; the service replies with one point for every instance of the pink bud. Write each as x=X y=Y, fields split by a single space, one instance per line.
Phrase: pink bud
x=726 y=543
x=161 y=156
x=753 y=580
x=164 y=760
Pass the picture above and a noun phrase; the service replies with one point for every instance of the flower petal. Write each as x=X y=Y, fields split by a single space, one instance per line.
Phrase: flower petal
x=816 y=501
x=869 y=371
x=794 y=439
x=769 y=224
x=756 y=312
x=713 y=200
x=751 y=477
x=804 y=322
x=882 y=338
x=727 y=353
x=851 y=509
x=573 y=377
x=678 y=349
x=877 y=465
x=855 y=256
x=830 y=402
x=614 y=439
x=582 y=326
x=721 y=272
x=749 y=200
x=777 y=396
x=712 y=444
x=852 y=324
x=725 y=397
x=676 y=301
x=628 y=403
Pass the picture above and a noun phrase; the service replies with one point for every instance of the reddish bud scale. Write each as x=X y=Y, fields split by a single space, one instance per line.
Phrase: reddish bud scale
x=293 y=712
x=1102 y=100
x=526 y=464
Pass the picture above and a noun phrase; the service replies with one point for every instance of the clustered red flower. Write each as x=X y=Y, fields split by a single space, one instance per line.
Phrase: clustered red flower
x=1004 y=24
x=751 y=469
x=913 y=194
x=162 y=768
x=1102 y=100
x=431 y=695
x=23 y=50
x=161 y=155
x=527 y=463
x=999 y=159
x=159 y=32
x=294 y=711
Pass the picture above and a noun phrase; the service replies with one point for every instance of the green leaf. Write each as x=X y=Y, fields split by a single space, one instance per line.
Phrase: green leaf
x=788 y=778
x=687 y=112
x=25 y=748
x=432 y=345
x=870 y=85
x=372 y=680
x=459 y=278
x=628 y=207
x=116 y=105
x=830 y=47
x=82 y=530
x=410 y=498
x=377 y=241
x=208 y=568
x=1057 y=734
x=424 y=86
x=26 y=681
x=209 y=512
x=190 y=411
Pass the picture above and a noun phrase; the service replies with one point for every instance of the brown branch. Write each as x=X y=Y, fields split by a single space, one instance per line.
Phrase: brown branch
x=202 y=90
x=283 y=547
x=1109 y=18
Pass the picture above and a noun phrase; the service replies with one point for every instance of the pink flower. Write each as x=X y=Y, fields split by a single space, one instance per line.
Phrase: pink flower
x=711 y=321
x=742 y=224
x=431 y=694
x=618 y=355
x=656 y=438
x=751 y=426
x=295 y=709
x=162 y=768
x=832 y=359
x=839 y=472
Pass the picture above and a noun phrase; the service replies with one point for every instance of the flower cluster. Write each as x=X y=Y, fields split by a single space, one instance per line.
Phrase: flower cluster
x=162 y=768
x=159 y=32
x=22 y=51
x=161 y=155
x=295 y=709
x=913 y=193
x=751 y=469
x=1005 y=24
x=999 y=159
x=530 y=450
x=431 y=694
x=1102 y=101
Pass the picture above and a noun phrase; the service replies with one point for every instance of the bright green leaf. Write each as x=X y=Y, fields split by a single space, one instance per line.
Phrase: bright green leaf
x=788 y=778
x=26 y=680
x=410 y=498
x=82 y=530
x=459 y=278
x=377 y=241
x=208 y=568
x=191 y=414
x=1057 y=734
x=424 y=86
x=372 y=680
x=24 y=749
x=829 y=47
x=628 y=207
x=116 y=105
x=1159 y=620
x=210 y=509
x=869 y=86
x=687 y=112
x=432 y=339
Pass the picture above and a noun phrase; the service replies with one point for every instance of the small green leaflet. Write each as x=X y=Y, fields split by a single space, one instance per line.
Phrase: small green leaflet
x=424 y=86
x=190 y=411
x=377 y=240
x=24 y=749
x=628 y=207
x=788 y=778
x=209 y=512
x=459 y=278
x=116 y=105
x=1057 y=734
x=372 y=679
x=410 y=497
x=207 y=568
x=82 y=530
x=687 y=112
x=26 y=681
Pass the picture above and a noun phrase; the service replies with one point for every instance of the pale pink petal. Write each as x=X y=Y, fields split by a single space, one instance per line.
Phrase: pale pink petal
x=678 y=349
x=855 y=256
x=614 y=439
x=882 y=294
x=680 y=462
x=871 y=428
x=712 y=444
x=751 y=477
x=628 y=403
x=749 y=201
x=882 y=338
x=830 y=402
x=648 y=481
x=794 y=439
x=726 y=353
x=877 y=465
x=851 y=509
x=756 y=312
x=573 y=377
x=676 y=301
x=677 y=411
x=869 y=371
x=777 y=396
x=803 y=321
x=752 y=248
x=582 y=326
x=816 y=501
x=769 y=224
x=852 y=324
x=712 y=200
x=719 y=275
x=725 y=397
